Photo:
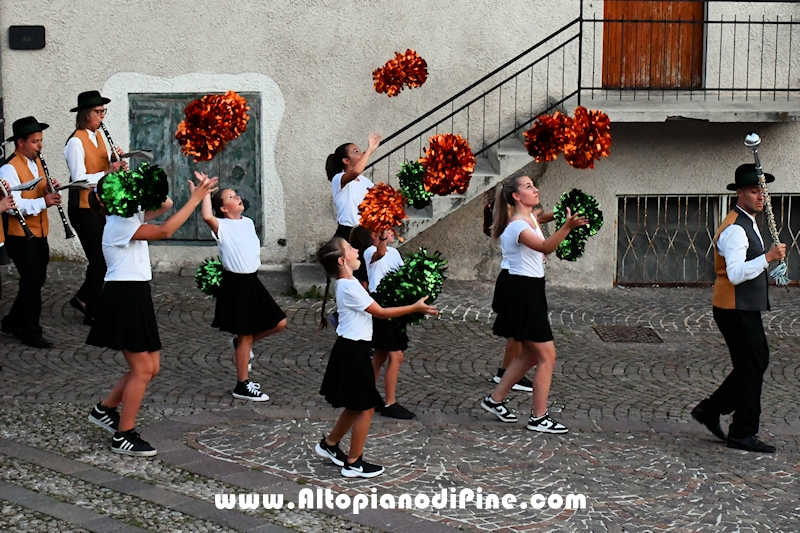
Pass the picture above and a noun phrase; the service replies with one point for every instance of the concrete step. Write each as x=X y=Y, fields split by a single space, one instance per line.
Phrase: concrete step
x=309 y=279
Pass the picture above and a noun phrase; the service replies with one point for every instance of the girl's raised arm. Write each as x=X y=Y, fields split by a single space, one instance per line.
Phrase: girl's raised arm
x=205 y=208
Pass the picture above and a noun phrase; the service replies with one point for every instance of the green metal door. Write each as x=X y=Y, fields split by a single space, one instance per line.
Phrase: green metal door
x=154 y=119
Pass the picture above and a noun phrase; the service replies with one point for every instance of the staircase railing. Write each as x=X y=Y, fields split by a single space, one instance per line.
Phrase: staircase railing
x=742 y=59
x=495 y=107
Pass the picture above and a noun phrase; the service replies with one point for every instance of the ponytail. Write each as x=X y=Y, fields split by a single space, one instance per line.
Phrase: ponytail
x=503 y=200
x=328 y=256
x=334 y=163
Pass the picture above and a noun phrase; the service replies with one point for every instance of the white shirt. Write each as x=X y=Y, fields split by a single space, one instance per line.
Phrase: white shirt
x=126 y=259
x=239 y=246
x=347 y=198
x=27 y=206
x=390 y=262
x=522 y=261
x=351 y=300
x=504 y=261
x=76 y=159
x=732 y=244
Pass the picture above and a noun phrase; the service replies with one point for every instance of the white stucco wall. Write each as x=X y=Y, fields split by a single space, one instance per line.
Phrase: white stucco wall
x=319 y=54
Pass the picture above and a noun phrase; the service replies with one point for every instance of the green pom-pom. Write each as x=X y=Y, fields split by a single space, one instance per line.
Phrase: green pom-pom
x=121 y=194
x=209 y=276
x=577 y=201
x=422 y=274
x=154 y=186
x=412 y=187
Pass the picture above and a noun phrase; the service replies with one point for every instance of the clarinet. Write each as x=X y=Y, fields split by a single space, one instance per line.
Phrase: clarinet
x=67 y=230
x=20 y=217
x=111 y=144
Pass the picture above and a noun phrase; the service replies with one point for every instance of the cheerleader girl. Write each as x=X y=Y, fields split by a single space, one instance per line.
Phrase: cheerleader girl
x=524 y=313
x=513 y=348
x=244 y=307
x=344 y=167
x=349 y=380
x=389 y=337
x=125 y=318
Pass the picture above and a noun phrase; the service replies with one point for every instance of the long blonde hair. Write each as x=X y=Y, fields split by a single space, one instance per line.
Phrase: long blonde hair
x=503 y=200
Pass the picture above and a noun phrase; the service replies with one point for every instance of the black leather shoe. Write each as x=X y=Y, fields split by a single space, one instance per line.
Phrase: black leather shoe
x=9 y=330
x=751 y=444
x=40 y=342
x=711 y=422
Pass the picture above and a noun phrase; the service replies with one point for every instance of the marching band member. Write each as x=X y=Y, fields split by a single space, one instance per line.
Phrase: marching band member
x=87 y=159
x=30 y=256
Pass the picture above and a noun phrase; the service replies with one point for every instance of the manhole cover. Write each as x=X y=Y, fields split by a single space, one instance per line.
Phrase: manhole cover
x=627 y=334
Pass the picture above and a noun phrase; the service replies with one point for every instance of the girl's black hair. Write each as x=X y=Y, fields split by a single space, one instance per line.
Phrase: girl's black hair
x=360 y=238
x=216 y=203
x=334 y=163
x=328 y=256
x=503 y=200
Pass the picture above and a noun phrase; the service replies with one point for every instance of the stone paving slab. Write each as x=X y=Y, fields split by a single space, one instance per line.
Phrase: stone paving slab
x=633 y=449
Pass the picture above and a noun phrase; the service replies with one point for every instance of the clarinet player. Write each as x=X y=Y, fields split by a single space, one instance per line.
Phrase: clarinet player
x=30 y=255
x=88 y=159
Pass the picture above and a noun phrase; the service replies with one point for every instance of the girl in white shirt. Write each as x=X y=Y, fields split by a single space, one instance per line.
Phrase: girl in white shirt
x=389 y=337
x=244 y=307
x=349 y=380
x=344 y=167
x=523 y=316
x=126 y=319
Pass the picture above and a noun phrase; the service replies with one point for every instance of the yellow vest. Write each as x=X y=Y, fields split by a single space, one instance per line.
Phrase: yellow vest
x=38 y=224
x=96 y=161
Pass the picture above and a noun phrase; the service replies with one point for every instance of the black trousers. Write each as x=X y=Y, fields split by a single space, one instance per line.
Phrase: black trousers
x=89 y=228
x=30 y=256
x=740 y=393
x=343 y=232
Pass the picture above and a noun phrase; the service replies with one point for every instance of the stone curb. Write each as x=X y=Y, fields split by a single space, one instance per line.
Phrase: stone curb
x=66 y=512
x=133 y=487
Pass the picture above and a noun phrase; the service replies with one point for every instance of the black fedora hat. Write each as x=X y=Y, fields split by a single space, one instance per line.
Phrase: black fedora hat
x=26 y=126
x=747 y=176
x=89 y=99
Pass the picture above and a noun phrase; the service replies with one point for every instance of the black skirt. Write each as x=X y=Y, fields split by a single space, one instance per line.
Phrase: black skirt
x=389 y=335
x=524 y=314
x=244 y=306
x=125 y=318
x=499 y=298
x=349 y=380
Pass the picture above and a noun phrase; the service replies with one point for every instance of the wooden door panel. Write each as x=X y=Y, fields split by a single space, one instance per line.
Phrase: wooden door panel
x=154 y=118
x=653 y=45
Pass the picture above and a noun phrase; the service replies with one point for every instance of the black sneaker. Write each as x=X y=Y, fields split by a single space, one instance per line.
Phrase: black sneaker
x=545 y=424
x=130 y=443
x=361 y=468
x=247 y=390
x=105 y=417
x=334 y=453
x=499 y=409
x=397 y=411
x=524 y=384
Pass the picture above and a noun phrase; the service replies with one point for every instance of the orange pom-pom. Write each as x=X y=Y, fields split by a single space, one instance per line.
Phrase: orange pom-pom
x=549 y=136
x=382 y=208
x=592 y=138
x=211 y=122
x=448 y=164
x=405 y=69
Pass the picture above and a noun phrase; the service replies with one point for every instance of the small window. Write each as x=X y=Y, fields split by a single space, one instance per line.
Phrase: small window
x=154 y=119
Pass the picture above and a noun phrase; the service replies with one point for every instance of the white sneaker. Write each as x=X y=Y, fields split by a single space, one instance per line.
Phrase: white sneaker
x=545 y=424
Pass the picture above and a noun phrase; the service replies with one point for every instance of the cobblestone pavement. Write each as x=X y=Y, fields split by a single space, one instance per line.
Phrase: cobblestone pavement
x=633 y=450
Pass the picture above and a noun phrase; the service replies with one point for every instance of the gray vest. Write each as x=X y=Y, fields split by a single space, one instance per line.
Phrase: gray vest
x=752 y=295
